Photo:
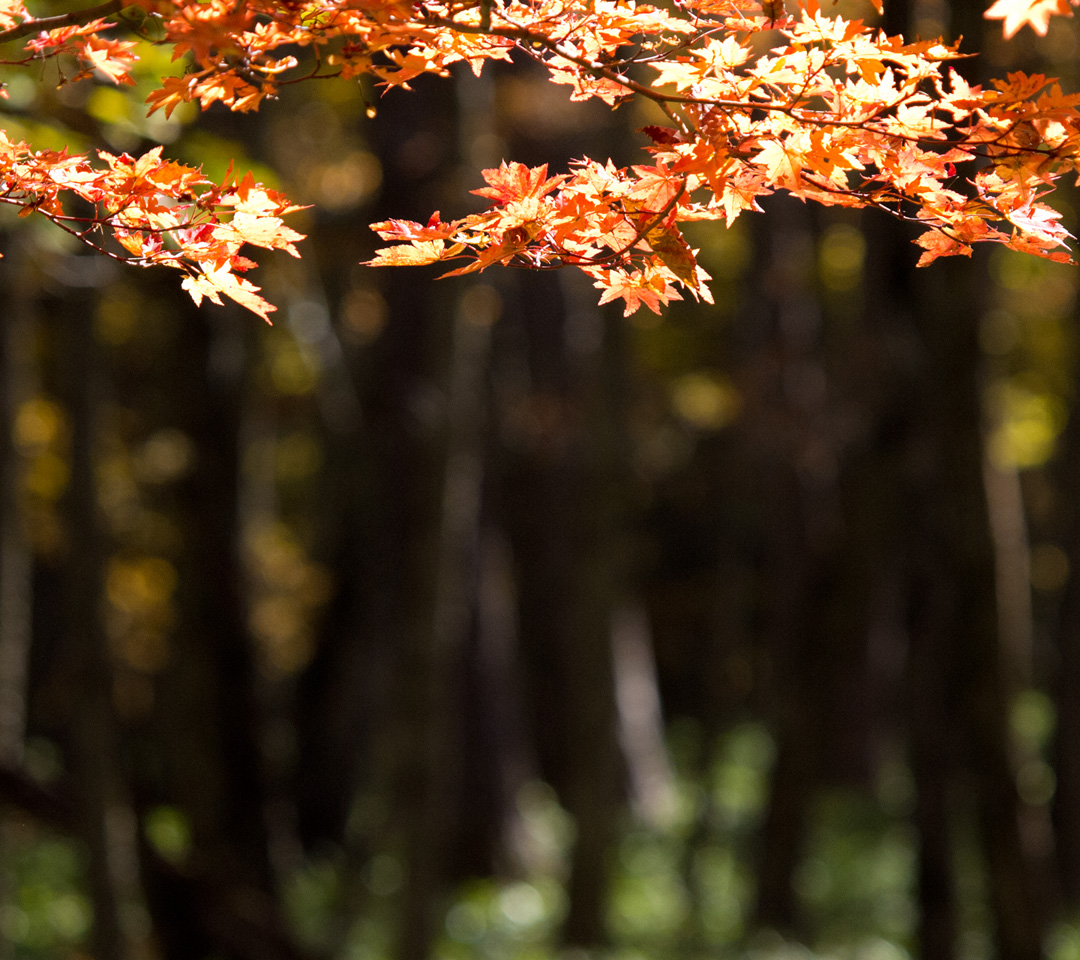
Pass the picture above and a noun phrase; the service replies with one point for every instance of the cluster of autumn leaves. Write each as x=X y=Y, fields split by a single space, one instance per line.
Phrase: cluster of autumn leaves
x=757 y=100
x=157 y=212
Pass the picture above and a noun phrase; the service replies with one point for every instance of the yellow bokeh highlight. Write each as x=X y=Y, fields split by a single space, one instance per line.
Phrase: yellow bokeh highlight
x=134 y=585
x=705 y=401
x=346 y=183
x=38 y=423
x=364 y=315
x=117 y=318
x=288 y=590
x=165 y=456
x=294 y=371
x=140 y=611
x=47 y=477
x=1028 y=424
x=108 y=104
x=841 y=256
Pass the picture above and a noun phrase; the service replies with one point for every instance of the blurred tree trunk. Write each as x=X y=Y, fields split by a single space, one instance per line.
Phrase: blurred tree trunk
x=440 y=659
x=1065 y=808
x=100 y=780
x=564 y=493
x=1066 y=803
x=930 y=719
x=956 y=529
x=16 y=560
x=14 y=552
x=595 y=790
x=957 y=699
x=206 y=721
x=788 y=391
x=425 y=403
x=1066 y=681
x=934 y=748
x=827 y=464
x=793 y=714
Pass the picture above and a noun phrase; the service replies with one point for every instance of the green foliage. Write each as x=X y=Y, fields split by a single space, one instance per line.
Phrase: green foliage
x=503 y=921
x=169 y=833
x=44 y=910
x=682 y=889
x=858 y=874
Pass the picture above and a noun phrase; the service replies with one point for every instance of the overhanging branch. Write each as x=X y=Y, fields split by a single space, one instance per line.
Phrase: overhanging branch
x=76 y=17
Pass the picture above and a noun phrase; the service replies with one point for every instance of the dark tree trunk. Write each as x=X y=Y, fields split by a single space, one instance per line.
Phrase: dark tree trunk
x=788 y=396
x=1066 y=804
x=206 y=718
x=563 y=494
x=108 y=825
x=956 y=540
x=16 y=559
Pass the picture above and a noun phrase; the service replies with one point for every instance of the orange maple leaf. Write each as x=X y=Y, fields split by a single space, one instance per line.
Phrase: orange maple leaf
x=637 y=289
x=515 y=181
x=434 y=229
x=172 y=92
x=113 y=58
x=936 y=244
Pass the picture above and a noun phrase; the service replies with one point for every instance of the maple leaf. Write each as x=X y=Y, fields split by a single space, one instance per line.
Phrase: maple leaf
x=172 y=92
x=780 y=163
x=1034 y=13
x=681 y=73
x=512 y=243
x=218 y=281
x=268 y=232
x=740 y=192
x=134 y=242
x=418 y=253
x=671 y=247
x=435 y=229
x=936 y=244
x=515 y=181
x=661 y=135
x=1039 y=222
x=637 y=289
x=112 y=58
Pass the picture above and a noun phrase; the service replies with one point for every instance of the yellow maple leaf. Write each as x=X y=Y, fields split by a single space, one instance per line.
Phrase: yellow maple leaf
x=267 y=232
x=415 y=254
x=1035 y=13
x=214 y=282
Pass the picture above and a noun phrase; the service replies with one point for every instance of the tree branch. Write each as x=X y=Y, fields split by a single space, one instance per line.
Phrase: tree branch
x=38 y=25
x=525 y=37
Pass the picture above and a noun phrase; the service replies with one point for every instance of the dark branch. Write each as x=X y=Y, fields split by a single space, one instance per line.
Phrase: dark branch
x=37 y=25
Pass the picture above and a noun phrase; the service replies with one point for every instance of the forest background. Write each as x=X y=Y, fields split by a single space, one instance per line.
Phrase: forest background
x=469 y=619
